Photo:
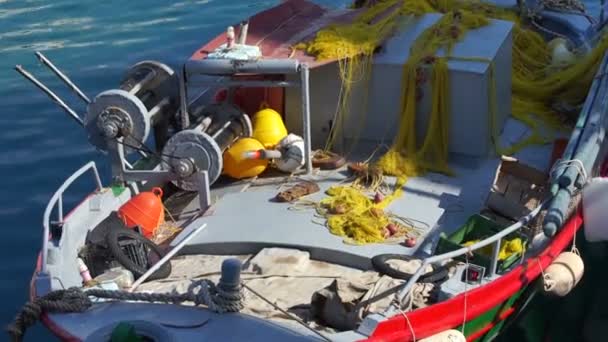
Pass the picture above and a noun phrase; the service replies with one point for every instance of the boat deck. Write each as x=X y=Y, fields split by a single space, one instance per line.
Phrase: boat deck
x=244 y=219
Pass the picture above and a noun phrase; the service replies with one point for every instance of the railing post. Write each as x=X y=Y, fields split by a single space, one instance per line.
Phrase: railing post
x=57 y=198
x=60 y=208
x=304 y=82
x=97 y=178
x=204 y=195
x=495 y=254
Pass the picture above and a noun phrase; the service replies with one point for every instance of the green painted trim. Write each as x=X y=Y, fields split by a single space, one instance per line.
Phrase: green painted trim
x=117 y=189
x=488 y=317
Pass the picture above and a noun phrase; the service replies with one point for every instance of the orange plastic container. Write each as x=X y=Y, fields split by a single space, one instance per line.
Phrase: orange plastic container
x=145 y=210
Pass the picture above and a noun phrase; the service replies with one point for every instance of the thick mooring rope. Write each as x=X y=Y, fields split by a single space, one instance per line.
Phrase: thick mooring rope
x=220 y=299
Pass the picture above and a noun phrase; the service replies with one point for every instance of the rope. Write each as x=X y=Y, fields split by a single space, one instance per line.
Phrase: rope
x=546 y=30
x=547 y=283
x=409 y=324
x=574 y=249
x=568 y=6
x=286 y=313
x=466 y=282
x=409 y=308
x=221 y=298
x=570 y=162
x=70 y=300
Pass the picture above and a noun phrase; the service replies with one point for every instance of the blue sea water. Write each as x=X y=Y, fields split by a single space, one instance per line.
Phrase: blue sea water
x=94 y=42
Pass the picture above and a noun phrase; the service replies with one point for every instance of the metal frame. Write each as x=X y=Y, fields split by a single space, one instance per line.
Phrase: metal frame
x=494 y=239
x=117 y=156
x=403 y=290
x=57 y=199
x=266 y=67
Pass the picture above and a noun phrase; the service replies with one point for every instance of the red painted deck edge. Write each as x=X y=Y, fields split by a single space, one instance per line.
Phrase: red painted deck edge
x=54 y=328
x=439 y=317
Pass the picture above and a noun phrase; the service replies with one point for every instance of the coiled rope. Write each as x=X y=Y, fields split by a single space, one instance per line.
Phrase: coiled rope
x=221 y=299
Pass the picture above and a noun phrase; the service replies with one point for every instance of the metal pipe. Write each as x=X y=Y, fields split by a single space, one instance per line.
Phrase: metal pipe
x=247 y=84
x=166 y=258
x=569 y=173
x=156 y=109
x=304 y=72
x=589 y=158
x=137 y=87
x=230 y=67
x=492 y=239
x=50 y=94
x=263 y=154
x=49 y=207
x=204 y=193
x=183 y=100
x=62 y=76
x=243 y=32
x=556 y=213
x=60 y=209
x=594 y=140
x=495 y=254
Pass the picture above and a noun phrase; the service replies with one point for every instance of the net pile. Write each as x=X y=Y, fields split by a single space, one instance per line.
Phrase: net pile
x=536 y=88
x=351 y=213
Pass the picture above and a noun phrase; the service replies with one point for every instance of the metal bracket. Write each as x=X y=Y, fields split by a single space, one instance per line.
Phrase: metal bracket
x=116 y=151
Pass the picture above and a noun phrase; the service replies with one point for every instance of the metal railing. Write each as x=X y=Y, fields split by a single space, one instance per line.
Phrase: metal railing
x=57 y=200
x=494 y=239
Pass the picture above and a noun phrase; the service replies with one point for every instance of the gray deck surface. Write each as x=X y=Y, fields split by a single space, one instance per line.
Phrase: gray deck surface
x=178 y=323
x=244 y=222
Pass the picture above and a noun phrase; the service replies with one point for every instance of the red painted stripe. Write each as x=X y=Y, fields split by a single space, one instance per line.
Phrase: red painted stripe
x=445 y=315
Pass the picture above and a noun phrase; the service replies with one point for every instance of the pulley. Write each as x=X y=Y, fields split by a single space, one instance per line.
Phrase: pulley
x=201 y=146
x=147 y=94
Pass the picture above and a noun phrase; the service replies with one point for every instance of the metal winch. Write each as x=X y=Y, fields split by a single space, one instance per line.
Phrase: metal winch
x=201 y=146
x=147 y=97
x=152 y=96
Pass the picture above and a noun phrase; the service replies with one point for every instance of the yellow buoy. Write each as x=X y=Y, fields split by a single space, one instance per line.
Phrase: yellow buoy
x=268 y=127
x=235 y=163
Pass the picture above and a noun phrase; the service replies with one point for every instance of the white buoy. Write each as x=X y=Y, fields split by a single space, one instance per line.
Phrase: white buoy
x=561 y=56
x=292 y=153
x=446 y=336
x=563 y=274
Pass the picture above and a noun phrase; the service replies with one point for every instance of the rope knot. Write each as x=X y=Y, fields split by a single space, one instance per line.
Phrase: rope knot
x=220 y=298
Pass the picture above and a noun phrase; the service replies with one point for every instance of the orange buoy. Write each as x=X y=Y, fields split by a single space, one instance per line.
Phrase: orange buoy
x=144 y=210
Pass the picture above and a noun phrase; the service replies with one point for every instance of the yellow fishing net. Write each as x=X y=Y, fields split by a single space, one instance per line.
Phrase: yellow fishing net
x=352 y=213
x=535 y=88
x=507 y=248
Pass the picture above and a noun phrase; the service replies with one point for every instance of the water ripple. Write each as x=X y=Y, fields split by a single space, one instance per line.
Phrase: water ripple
x=6 y=13
x=24 y=33
x=129 y=41
x=150 y=23
x=42 y=46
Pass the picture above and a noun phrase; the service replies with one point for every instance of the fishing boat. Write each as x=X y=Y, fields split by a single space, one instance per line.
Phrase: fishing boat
x=391 y=171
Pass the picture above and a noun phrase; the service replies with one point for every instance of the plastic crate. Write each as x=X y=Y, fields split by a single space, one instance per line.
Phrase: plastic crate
x=479 y=227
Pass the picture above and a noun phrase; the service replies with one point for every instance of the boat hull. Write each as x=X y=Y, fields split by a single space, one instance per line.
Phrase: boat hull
x=484 y=309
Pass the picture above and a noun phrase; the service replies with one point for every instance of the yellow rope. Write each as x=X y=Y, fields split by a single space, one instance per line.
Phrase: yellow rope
x=535 y=88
